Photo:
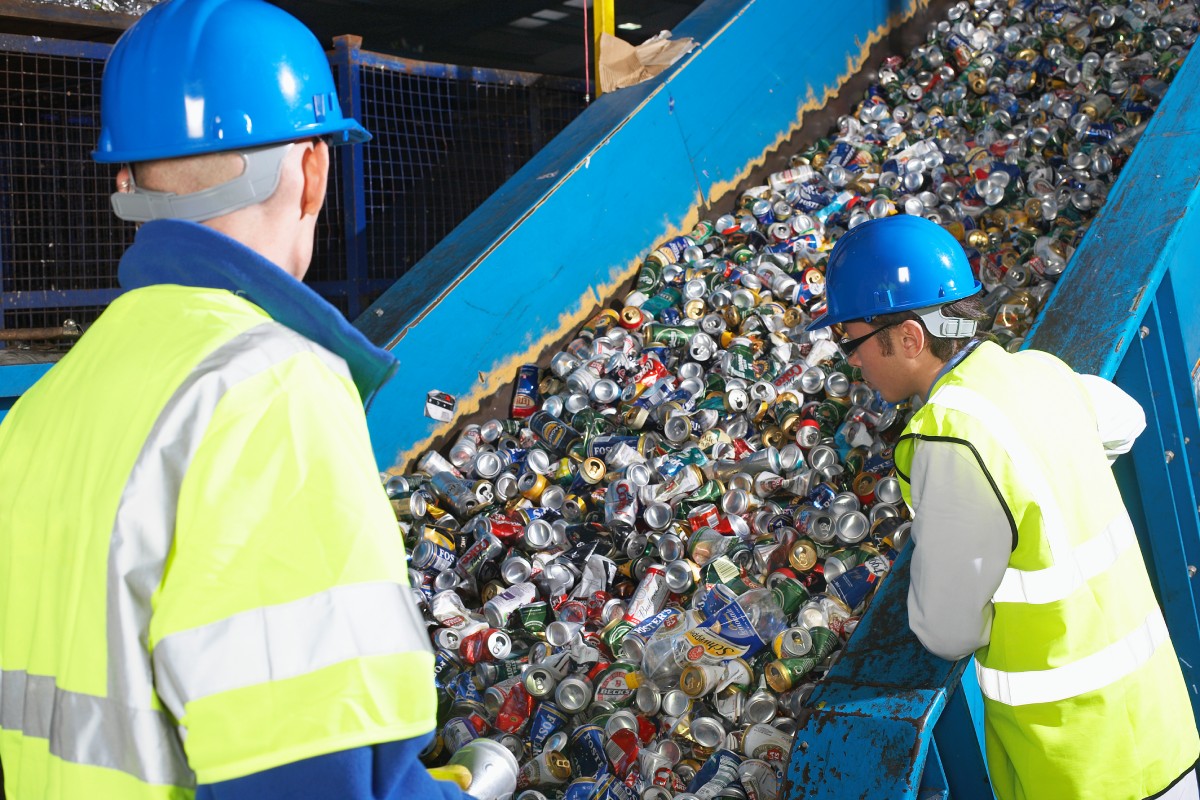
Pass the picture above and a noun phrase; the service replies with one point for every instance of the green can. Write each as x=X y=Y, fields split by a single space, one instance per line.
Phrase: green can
x=591 y=423
x=649 y=277
x=789 y=593
x=824 y=642
x=670 y=335
x=829 y=416
x=667 y=297
x=613 y=634
x=783 y=674
x=533 y=616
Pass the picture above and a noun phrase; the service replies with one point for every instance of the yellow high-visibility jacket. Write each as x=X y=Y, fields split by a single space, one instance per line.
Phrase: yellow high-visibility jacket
x=1083 y=694
x=201 y=577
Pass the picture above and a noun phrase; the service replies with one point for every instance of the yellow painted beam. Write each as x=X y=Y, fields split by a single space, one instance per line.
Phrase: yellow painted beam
x=604 y=20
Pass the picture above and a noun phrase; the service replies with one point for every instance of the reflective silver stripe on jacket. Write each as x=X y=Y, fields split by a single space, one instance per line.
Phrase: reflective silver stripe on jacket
x=123 y=731
x=1059 y=581
x=288 y=640
x=1096 y=671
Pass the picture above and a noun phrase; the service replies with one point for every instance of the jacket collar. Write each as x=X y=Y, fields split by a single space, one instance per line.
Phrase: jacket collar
x=189 y=254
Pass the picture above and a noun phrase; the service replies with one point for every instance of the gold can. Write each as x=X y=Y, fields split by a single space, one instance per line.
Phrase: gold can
x=803 y=555
x=592 y=470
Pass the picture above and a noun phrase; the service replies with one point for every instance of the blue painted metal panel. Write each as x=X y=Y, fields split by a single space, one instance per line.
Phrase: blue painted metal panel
x=628 y=172
x=466 y=73
x=1126 y=309
x=54 y=47
x=15 y=380
x=958 y=736
x=1171 y=537
x=354 y=213
x=874 y=715
x=59 y=299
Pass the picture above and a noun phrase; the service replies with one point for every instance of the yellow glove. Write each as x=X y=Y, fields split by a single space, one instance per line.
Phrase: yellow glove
x=455 y=773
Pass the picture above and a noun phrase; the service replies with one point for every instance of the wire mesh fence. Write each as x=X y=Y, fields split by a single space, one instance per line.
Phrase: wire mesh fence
x=445 y=138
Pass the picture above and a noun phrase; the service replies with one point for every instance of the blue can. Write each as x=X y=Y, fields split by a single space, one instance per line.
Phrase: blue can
x=580 y=789
x=457 y=732
x=660 y=352
x=714 y=763
x=445 y=669
x=853 y=585
x=430 y=555
x=546 y=720
x=822 y=495
x=526 y=397
x=602 y=445
x=463 y=688
x=670 y=316
x=587 y=751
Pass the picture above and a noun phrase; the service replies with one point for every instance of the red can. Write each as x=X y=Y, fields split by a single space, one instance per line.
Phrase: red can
x=516 y=709
x=507 y=527
x=703 y=516
x=595 y=604
x=486 y=644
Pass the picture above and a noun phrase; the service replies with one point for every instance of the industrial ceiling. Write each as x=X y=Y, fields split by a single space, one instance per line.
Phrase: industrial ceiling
x=543 y=36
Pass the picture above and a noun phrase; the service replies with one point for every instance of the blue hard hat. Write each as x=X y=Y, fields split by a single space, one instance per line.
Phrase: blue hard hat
x=896 y=263
x=204 y=76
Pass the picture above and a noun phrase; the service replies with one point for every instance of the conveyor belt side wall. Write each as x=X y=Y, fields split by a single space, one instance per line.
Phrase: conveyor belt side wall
x=1126 y=309
x=535 y=260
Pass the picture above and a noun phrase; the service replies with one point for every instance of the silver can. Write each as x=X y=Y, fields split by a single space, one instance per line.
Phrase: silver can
x=488 y=464
x=760 y=707
x=493 y=768
x=505 y=486
x=887 y=490
x=539 y=534
x=852 y=527
x=573 y=693
x=539 y=682
x=537 y=461
x=657 y=515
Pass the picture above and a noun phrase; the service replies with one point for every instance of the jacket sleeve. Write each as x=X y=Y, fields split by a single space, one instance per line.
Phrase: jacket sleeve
x=388 y=771
x=284 y=628
x=1119 y=418
x=962 y=540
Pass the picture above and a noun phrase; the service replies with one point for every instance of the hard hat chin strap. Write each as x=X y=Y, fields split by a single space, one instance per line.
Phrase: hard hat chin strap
x=944 y=327
x=262 y=169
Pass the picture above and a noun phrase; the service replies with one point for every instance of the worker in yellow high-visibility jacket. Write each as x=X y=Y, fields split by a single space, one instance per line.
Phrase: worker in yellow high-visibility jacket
x=202 y=588
x=1024 y=551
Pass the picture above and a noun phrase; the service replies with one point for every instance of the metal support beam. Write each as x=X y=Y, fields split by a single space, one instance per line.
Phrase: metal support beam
x=604 y=20
x=354 y=197
x=1165 y=459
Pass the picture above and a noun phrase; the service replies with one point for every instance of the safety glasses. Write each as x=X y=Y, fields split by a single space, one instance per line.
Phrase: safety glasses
x=850 y=345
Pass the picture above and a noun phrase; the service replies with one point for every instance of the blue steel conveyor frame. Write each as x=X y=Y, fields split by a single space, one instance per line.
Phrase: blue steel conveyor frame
x=643 y=164
x=1125 y=309
x=634 y=169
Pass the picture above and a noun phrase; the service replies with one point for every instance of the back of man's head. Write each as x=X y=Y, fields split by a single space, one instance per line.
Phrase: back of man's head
x=203 y=96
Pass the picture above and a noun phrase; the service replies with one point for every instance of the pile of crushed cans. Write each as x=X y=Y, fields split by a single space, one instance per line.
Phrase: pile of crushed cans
x=635 y=580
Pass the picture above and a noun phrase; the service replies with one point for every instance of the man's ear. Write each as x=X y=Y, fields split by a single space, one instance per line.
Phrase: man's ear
x=124 y=179
x=912 y=338
x=315 y=164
